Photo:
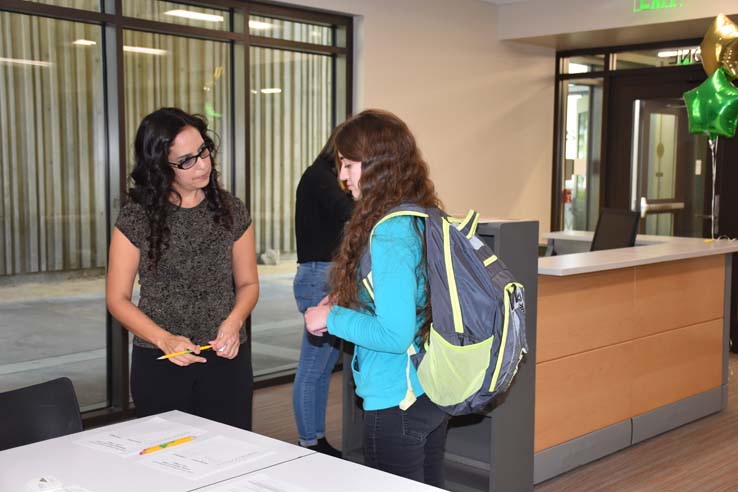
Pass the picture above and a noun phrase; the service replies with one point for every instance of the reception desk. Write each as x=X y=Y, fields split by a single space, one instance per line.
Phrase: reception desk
x=631 y=342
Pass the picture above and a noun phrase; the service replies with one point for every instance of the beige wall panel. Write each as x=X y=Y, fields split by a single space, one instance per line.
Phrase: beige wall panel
x=582 y=312
x=679 y=293
x=585 y=392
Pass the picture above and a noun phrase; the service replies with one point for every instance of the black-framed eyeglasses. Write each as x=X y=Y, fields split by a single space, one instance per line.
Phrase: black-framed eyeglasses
x=189 y=161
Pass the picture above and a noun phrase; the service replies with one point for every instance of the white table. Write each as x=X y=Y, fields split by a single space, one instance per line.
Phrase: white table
x=98 y=471
x=321 y=473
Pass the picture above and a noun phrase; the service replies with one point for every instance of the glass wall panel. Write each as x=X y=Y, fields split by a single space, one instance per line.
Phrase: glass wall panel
x=291 y=118
x=192 y=74
x=583 y=64
x=581 y=135
x=53 y=232
x=178 y=13
x=59 y=174
x=667 y=57
x=291 y=31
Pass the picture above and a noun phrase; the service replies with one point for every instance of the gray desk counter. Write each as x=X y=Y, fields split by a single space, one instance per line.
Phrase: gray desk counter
x=574 y=256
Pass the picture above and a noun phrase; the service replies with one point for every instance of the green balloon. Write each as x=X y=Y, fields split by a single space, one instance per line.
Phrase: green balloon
x=210 y=111
x=712 y=108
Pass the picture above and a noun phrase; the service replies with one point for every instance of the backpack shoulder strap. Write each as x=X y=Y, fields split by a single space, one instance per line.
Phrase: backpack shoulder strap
x=365 y=265
x=404 y=209
x=467 y=225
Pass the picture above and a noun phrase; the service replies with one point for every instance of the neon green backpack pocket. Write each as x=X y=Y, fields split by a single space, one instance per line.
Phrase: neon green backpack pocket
x=445 y=364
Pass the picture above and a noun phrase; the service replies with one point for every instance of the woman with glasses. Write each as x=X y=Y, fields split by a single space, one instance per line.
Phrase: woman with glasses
x=192 y=245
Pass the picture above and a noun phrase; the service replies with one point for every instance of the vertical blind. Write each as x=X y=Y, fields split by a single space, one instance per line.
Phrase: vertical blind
x=52 y=160
x=291 y=108
x=192 y=74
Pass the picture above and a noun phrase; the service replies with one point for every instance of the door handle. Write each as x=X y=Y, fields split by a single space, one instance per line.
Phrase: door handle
x=655 y=208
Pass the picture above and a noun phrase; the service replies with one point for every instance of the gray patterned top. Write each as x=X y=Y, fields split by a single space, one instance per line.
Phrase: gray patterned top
x=191 y=292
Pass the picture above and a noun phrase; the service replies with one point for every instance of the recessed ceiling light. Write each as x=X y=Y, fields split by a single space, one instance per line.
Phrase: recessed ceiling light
x=84 y=42
x=188 y=14
x=578 y=68
x=271 y=90
x=259 y=25
x=20 y=61
x=146 y=51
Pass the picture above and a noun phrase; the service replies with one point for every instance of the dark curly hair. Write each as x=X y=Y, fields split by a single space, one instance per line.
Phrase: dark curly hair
x=152 y=175
x=392 y=172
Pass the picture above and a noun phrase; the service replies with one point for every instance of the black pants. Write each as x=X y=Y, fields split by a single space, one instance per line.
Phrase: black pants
x=407 y=443
x=220 y=389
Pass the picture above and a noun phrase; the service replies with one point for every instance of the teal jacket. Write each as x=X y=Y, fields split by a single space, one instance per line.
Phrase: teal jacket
x=381 y=364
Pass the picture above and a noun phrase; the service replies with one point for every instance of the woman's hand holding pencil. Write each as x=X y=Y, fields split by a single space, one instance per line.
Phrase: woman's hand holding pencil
x=180 y=350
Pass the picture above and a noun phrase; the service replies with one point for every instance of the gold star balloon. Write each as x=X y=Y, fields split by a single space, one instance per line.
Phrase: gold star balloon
x=720 y=47
x=729 y=59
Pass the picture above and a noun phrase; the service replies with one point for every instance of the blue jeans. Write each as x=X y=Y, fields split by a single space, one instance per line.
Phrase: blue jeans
x=318 y=355
x=407 y=443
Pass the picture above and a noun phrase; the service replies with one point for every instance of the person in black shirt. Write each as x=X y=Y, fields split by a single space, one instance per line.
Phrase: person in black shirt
x=322 y=209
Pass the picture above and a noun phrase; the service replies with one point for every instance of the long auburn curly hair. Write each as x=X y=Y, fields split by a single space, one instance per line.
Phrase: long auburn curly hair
x=392 y=172
x=152 y=175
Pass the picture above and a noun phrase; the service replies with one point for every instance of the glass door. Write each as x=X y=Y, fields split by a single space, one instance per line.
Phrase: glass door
x=654 y=166
x=667 y=169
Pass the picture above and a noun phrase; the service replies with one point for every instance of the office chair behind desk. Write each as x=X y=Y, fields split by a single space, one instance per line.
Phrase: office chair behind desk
x=38 y=412
x=615 y=229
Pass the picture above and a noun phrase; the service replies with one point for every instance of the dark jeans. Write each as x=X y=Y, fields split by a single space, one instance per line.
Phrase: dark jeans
x=407 y=443
x=220 y=389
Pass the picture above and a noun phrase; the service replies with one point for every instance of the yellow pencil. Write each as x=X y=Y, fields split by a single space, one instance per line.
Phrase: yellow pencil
x=175 y=354
x=167 y=444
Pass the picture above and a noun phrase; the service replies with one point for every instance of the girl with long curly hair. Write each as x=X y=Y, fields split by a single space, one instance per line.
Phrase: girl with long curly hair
x=404 y=432
x=192 y=245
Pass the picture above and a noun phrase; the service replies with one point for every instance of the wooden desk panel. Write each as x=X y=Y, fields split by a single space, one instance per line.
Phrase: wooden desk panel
x=583 y=312
x=679 y=293
x=578 y=313
x=585 y=392
x=672 y=366
x=582 y=393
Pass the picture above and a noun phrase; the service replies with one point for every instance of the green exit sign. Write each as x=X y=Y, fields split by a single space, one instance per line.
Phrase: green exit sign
x=642 y=5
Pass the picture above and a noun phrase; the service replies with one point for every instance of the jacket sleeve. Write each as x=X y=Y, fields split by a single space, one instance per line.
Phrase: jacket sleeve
x=396 y=251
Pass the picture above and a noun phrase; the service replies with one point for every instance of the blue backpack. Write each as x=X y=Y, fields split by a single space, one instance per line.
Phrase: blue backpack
x=477 y=334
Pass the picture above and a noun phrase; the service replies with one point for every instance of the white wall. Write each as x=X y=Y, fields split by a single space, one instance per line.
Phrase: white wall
x=482 y=110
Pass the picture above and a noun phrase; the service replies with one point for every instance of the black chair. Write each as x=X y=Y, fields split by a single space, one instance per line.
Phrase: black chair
x=615 y=229
x=38 y=412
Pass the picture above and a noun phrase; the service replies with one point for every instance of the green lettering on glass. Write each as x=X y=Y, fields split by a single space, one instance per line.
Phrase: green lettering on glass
x=642 y=5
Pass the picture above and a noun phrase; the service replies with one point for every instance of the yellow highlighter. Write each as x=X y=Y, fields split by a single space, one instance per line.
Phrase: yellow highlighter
x=175 y=354
x=166 y=445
